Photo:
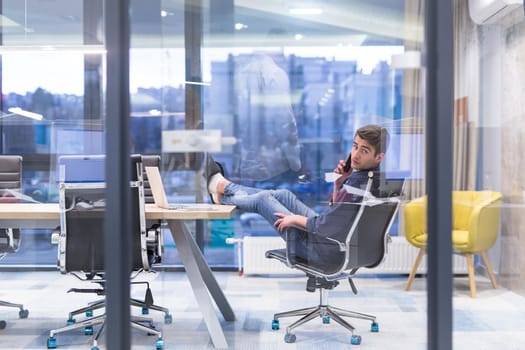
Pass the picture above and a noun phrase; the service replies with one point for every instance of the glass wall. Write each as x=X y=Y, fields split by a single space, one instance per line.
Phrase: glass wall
x=272 y=90
x=284 y=91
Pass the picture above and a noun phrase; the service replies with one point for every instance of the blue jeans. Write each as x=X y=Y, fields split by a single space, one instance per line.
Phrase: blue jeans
x=267 y=203
x=264 y=202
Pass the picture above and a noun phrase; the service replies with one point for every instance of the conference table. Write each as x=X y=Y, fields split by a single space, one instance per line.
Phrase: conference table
x=203 y=282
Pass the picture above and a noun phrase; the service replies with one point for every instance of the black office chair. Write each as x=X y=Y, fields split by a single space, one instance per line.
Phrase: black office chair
x=10 y=180
x=154 y=240
x=363 y=244
x=81 y=250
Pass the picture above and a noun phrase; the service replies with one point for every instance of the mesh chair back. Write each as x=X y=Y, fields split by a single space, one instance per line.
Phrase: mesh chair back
x=368 y=240
x=10 y=179
x=10 y=174
x=368 y=243
x=83 y=227
x=82 y=224
x=149 y=160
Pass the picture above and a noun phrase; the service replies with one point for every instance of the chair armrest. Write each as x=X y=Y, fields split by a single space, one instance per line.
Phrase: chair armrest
x=415 y=220
x=484 y=225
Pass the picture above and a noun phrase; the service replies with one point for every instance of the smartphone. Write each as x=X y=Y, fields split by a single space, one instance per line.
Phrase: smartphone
x=348 y=163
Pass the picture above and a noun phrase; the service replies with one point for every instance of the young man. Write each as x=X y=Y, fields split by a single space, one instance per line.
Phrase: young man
x=283 y=210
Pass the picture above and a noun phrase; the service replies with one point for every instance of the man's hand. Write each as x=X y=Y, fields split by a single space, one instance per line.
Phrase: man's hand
x=340 y=170
x=291 y=220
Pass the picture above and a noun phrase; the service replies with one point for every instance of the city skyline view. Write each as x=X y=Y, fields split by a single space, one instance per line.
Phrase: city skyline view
x=62 y=73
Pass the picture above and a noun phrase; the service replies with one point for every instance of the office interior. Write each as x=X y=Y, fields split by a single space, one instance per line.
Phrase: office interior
x=343 y=64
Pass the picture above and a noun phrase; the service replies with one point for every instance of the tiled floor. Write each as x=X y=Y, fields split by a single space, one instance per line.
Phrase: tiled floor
x=491 y=321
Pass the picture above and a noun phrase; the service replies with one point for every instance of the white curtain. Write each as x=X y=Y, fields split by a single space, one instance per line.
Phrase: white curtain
x=413 y=122
x=466 y=92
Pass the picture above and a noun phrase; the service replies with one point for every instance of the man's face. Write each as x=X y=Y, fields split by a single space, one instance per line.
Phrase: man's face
x=364 y=156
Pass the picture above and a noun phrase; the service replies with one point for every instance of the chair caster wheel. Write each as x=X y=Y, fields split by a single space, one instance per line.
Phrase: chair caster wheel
x=3 y=324
x=289 y=338
x=51 y=343
x=89 y=313
x=23 y=313
x=168 y=319
x=159 y=344
x=152 y=327
x=326 y=319
x=374 y=327
x=95 y=348
x=355 y=340
x=88 y=330
x=145 y=311
x=275 y=325
x=70 y=321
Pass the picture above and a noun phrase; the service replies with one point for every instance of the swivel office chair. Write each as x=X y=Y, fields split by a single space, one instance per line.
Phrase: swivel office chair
x=10 y=180
x=154 y=233
x=81 y=250
x=363 y=245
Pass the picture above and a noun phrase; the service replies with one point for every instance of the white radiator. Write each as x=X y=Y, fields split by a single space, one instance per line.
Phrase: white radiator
x=398 y=260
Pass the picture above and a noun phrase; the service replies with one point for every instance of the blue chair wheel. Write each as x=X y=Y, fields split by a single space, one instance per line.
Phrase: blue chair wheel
x=374 y=327
x=355 y=340
x=145 y=311
x=88 y=330
x=168 y=319
x=23 y=313
x=89 y=313
x=95 y=348
x=51 y=343
x=275 y=324
x=289 y=338
x=326 y=319
x=159 y=344
x=70 y=321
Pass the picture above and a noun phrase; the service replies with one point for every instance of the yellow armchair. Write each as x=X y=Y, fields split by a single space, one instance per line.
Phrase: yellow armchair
x=475 y=225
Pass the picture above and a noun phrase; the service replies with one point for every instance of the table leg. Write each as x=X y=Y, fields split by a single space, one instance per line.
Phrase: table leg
x=202 y=281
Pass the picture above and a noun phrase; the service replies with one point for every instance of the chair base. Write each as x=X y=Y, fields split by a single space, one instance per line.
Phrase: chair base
x=137 y=322
x=22 y=313
x=140 y=323
x=326 y=312
x=99 y=304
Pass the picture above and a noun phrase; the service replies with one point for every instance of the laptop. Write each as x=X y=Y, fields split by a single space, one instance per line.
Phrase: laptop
x=159 y=194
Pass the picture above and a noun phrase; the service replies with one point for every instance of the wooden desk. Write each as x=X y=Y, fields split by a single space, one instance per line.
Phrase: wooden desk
x=202 y=280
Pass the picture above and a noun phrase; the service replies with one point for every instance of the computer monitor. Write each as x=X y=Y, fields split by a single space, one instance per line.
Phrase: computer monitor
x=82 y=168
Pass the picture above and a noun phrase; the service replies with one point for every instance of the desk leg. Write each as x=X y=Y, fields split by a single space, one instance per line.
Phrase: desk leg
x=202 y=281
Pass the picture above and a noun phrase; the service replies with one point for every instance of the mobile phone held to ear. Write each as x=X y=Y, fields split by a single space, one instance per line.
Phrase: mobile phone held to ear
x=348 y=163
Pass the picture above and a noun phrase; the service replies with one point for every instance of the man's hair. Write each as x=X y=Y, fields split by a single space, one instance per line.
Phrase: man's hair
x=376 y=136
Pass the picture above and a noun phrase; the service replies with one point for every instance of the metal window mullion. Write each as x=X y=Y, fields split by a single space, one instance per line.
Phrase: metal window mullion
x=118 y=209
x=439 y=134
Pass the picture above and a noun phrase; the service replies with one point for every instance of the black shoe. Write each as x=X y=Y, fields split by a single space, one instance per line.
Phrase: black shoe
x=212 y=168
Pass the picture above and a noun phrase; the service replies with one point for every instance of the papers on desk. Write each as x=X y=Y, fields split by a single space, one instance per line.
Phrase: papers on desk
x=21 y=196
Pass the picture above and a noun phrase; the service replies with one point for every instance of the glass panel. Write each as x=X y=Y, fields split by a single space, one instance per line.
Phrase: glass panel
x=43 y=73
x=51 y=97
x=489 y=58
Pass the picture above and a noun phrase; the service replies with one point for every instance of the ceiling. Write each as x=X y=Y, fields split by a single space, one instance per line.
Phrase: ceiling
x=365 y=22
